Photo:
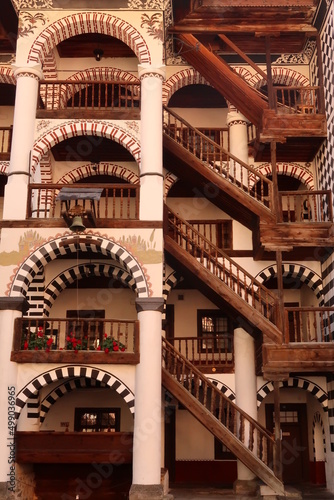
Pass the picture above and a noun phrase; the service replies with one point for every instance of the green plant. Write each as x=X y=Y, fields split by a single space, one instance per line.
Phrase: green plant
x=37 y=341
x=110 y=344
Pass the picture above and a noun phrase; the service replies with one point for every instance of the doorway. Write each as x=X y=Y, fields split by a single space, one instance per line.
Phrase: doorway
x=295 y=456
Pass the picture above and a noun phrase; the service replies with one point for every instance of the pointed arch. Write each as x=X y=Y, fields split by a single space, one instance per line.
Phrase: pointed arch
x=295 y=271
x=88 y=22
x=295 y=383
x=77 y=272
x=69 y=373
x=66 y=245
x=90 y=129
x=102 y=168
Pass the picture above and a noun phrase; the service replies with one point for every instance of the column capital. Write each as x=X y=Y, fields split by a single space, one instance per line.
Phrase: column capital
x=150 y=304
x=30 y=70
x=14 y=304
x=235 y=118
x=148 y=71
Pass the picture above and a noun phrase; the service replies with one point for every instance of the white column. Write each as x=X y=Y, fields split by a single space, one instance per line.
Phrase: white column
x=151 y=170
x=238 y=142
x=15 y=200
x=245 y=384
x=147 y=426
x=10 y=308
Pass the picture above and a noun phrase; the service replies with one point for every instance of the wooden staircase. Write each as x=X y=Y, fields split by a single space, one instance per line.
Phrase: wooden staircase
x=251 y=443
x=219 y=275
x=237 y=188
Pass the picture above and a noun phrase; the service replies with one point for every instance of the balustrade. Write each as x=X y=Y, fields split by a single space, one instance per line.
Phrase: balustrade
x=306 y=206
x=60 y=95
x=118 y=201
x=309 y=324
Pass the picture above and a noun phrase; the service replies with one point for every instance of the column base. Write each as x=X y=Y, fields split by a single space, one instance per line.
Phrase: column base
x=146 y=491
x=246 y=488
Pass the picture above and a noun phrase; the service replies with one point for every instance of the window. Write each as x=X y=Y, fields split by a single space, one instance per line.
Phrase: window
x=97 y=419
x=214 y=330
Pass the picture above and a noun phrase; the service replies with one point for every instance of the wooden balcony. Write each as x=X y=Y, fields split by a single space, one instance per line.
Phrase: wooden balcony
x=115 y=202
x=306 y=221
x=207 y=357
x=74 y=447
x=5 y=142
x=308 y=344
x=77 y=99
x=59 y=340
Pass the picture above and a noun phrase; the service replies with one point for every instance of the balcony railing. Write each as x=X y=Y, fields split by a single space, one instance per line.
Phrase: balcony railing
x=118 y=201
x=66 y=95
x=301 y=100
x=306 y=206
x=61 y=340
x=309 y=324
x=207 y=353
x=5 y=141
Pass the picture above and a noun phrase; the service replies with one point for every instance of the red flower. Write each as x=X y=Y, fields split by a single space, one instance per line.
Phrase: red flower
x=105 y=335
x=76 y=351
x=36 y=348
x=79 y=342
x=25 y=345
x=116 y=347
x=123 y=349
x=98 y=348
x=68 y=338
x=106 y=350
x=49 y=341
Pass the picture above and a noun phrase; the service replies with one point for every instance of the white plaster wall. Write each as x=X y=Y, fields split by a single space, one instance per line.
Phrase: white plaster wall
x=193 y=441
x=203 y=117
x=6 y=116
x=64 y=408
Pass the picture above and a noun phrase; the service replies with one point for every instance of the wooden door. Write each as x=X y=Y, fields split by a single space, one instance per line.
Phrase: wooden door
x=294 y=440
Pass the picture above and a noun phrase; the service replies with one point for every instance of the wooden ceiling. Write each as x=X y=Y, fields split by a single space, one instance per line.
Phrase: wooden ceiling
x=84 y=46
x=247 y=23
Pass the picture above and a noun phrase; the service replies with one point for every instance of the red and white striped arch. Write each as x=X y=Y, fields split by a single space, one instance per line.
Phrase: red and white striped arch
x=281 y=76
x=290 y=169
x=7 y=75
x=104 y=73
x=89 y=129
x=102 y=168
x=88 y=22
x=181 y=79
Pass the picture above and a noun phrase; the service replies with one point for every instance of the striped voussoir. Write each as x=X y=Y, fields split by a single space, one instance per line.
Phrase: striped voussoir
x=68 y=376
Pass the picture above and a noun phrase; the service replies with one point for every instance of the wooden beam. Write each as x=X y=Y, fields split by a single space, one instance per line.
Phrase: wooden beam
x=234 y=47
x=216 y=26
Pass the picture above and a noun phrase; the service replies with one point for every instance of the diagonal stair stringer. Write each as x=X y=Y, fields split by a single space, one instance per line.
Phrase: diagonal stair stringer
x=233 y=433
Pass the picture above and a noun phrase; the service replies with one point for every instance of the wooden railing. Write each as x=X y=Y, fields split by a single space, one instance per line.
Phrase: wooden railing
x=301 y=100
x=201 y=352
x=118 y=201
x=245 y=429
x=56 y=95
x=218 y=159
x=309 y=324
x=306 y=206
x=5 y=139
x=222 y=266
x=59 y=334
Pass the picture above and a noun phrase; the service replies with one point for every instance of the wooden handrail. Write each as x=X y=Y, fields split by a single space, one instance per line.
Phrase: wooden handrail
x=309 y=324
x=74 y=334
x=221 y=265
x=88 y=94
x=218 y=159
x=299 y=99
x=307 y=206
x=219 y=405
x=118 y=201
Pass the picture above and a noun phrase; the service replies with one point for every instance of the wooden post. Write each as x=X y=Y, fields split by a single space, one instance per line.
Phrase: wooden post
x=320 y=76
x=269 y=75
x=278 y=442
x=280 y=323
x=276 y=201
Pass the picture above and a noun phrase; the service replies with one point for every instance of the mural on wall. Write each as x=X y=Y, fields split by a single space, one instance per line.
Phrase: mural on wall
x=28 y=22
x=27 y=242
x=141 y=248
x=153 y=25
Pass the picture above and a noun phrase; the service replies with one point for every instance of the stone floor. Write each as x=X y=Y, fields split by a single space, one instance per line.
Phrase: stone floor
x=309 y=492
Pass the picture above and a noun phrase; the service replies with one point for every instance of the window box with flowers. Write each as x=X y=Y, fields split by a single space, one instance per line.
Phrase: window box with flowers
x=37 y=341
x=109 y=344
